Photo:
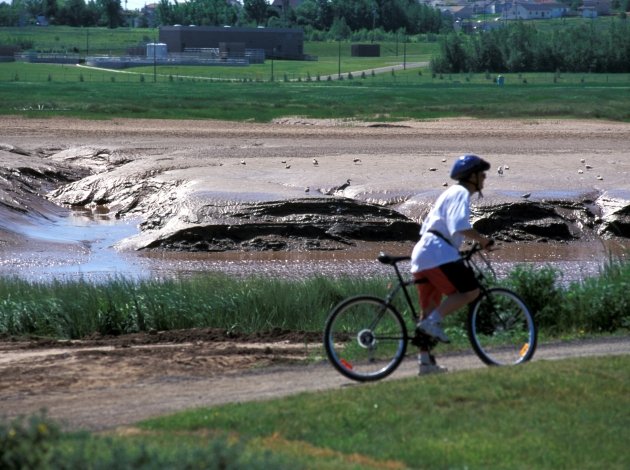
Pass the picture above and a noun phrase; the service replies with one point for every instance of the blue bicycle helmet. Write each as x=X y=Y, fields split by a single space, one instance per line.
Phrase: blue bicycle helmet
x=467 y=165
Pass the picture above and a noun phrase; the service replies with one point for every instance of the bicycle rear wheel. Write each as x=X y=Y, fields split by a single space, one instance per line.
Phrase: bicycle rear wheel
x=501 y=328
x=365 y=338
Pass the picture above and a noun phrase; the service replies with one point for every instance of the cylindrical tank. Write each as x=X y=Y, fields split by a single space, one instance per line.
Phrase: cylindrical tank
x=156 y=50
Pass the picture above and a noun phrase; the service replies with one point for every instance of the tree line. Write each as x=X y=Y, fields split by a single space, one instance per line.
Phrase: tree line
x=337 y=17
x=520 y=47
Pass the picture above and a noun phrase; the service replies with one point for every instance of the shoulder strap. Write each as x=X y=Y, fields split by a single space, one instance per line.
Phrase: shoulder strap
x=437 y=233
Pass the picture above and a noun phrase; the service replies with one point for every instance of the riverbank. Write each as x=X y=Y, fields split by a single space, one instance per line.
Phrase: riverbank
x=187 y=191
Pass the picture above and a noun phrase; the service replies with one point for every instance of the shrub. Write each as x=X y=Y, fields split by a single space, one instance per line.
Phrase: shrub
x=539 y=288
x=27 y=444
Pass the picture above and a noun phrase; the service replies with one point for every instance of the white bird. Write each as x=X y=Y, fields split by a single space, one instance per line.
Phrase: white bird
x=315 y=162
x=445 y=183
x=444 y=160
x=599 y=177
x=243 y=162
x=500 y=171
x=580 y=171
x=582 y=160
x=505 y=167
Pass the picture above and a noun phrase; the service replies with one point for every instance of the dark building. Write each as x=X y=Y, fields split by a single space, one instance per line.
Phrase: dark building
x=279 y=43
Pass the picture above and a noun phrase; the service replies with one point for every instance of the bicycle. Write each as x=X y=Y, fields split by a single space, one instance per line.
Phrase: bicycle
x=365 y=337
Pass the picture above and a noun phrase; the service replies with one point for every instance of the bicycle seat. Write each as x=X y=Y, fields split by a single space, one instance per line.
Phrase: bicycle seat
x=391 y=260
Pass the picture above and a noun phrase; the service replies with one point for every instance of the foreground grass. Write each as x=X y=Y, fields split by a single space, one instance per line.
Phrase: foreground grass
x=559 y=414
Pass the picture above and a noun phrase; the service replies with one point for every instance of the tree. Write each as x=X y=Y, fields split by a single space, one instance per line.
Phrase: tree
x=256 y=10
x=72 y=13
x=112 y=13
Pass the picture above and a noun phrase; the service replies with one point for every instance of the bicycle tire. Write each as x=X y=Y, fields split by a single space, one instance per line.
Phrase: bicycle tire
x=501 y=329
x=365 y=338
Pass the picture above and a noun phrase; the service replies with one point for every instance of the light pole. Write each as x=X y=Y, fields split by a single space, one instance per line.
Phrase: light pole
x=339 y=60
x=154 y=61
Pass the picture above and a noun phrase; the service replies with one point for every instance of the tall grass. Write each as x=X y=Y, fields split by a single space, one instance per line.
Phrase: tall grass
x=75 y=309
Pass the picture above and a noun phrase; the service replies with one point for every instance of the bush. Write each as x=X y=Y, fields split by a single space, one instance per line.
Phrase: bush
x=539 y=288
x=27 y=444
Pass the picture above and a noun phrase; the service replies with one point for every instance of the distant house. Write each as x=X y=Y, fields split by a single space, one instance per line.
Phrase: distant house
x=534 y=11
x=459 y=12
x=595 y=8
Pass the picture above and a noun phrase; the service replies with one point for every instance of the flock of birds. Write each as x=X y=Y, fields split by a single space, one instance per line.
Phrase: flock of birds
x=501 y=171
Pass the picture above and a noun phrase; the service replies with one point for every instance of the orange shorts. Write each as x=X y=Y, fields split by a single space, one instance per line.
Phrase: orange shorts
x=442 y=280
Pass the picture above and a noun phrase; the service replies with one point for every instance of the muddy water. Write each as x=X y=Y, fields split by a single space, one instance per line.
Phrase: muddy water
x=80 y=246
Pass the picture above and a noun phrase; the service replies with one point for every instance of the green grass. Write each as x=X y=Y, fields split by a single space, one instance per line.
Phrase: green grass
x=93 y=41
x=33 y=90
x=75 y=309
x=544 y=415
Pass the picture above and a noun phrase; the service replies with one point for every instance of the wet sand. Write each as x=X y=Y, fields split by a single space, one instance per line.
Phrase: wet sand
x=388 y=164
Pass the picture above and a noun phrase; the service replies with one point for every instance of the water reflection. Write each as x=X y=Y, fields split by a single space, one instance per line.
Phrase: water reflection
x=80 y=246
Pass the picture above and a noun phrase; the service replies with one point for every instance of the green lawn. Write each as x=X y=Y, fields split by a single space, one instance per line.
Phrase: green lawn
x=544 y=415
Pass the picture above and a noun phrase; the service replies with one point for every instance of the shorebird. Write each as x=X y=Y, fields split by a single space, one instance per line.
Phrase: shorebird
x=337 y=189
x=357 y=160
x=526 y=195
x=243 y=162
x=505 y=167
x=287 y=166
x=580 y=171
x=315 y=162
x=500 y=171
x=432 y=169
x=582 y=160
x=588 y=167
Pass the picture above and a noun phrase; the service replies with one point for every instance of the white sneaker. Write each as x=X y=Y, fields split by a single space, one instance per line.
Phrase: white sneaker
x=427 y=369
x=434 y=329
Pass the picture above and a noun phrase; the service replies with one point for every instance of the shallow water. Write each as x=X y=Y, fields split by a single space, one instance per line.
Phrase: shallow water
x=79 y=246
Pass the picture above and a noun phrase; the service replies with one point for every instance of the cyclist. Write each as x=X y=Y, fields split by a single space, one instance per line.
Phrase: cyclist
x=435 y=260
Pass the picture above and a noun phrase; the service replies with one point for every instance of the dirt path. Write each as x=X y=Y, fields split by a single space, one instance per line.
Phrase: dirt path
x=104 y=384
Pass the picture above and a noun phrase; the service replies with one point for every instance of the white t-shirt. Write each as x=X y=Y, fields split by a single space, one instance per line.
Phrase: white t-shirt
x=449 y=216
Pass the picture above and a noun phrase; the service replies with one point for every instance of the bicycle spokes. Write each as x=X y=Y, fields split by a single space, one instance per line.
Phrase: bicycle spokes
x=365 y=338
x=501 y=328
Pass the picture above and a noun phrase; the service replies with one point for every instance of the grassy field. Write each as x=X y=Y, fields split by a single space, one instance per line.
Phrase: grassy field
x=545 y=415
x=46 y=90
x=287 y=88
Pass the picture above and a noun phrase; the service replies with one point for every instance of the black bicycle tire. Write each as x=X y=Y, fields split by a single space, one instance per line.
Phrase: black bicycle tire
x=475 y=343
x=329 y=343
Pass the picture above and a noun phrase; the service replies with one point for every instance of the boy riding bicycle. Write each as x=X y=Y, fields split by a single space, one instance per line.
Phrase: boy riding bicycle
x=435 y=261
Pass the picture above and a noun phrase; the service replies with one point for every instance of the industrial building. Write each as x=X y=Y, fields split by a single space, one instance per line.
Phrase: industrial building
x=277 y=43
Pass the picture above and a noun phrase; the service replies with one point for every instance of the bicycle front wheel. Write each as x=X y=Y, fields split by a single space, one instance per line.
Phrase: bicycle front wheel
x=365 y=338
x=501 y=328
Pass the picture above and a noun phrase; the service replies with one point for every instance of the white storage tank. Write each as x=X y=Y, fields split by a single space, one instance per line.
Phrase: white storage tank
x=156 y=50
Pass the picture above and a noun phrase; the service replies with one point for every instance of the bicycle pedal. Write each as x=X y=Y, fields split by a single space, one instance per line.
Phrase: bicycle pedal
x=424 y=341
